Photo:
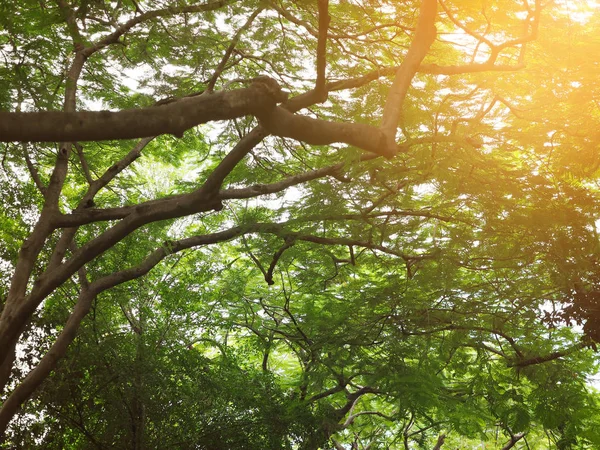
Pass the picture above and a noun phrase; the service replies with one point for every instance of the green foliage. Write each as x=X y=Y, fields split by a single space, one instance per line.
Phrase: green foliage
x=378 y=305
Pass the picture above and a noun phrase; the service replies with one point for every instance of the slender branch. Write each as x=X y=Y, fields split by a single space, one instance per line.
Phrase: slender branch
x=337 y=445
x=262 y=189
x=326 y=393
x=353 y=397
x=144 y=17
x=269 y=275
x=254 y=258
x=352 y=417
x=232 y=45
x=88 y=200
x=467 y=30
x=33 y=171
x=240 y=150
x=550 y=357
x=84 y=165
x=324 y=20
x=513 y=440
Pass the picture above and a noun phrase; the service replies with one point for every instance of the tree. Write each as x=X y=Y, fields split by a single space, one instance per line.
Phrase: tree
x=443 y=212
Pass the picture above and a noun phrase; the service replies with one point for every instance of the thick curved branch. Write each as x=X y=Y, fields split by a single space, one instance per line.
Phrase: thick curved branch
x=88 y=199
x=172 y=118
x=425 y=34
x=48 y=362
x=283 y=123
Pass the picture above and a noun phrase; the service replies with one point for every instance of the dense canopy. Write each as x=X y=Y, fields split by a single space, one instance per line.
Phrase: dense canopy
x=305 y=224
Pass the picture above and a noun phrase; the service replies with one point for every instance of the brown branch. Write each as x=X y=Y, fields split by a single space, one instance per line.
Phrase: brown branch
x=88 y=200
x=165 y=12
x=550 y=357
x=255 y=259
x=84 y=165
x=240 y=150
x=352 y=417
x=115 y=169
x=425 y=34
x=337 y=445
x=353 y=397
x=219 y=70
x=324 y=20
x=513 y=440
x=282 y=123
x=327 y=393
x=172 y=118
x=440 y=442
x=269 y=275
x=48 y=362
x=262 y=189
x=33 y=171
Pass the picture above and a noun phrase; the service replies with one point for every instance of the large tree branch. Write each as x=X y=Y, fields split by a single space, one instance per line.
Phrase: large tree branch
x=282 y=123
x=67 y=236
x=10 y=326
x=27 y=386
x=424 y=36
x=172 y=118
